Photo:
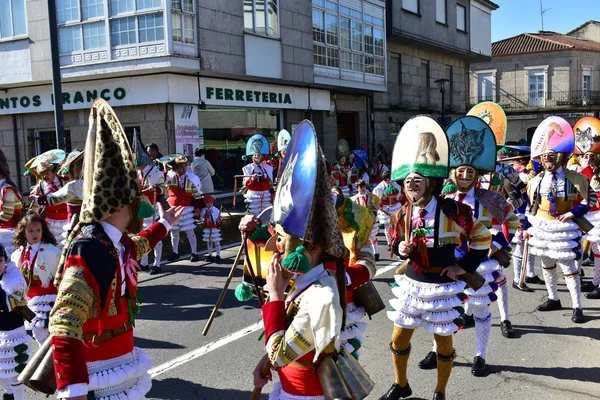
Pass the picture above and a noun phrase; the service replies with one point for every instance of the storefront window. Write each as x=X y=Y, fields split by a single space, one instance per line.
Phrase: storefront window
x=225 y=133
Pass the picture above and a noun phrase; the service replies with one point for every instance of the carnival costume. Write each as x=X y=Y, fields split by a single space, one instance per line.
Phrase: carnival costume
x=370 y=201
x=11 y=206
x=257 y=190
x=184 y=190
x=152 y=181
x=377 y=173
x=55 y=214
x=91 y=324
x=38 y=264
x=423 y=297
x=390 y=194
x=211 y=217
x=552 y=193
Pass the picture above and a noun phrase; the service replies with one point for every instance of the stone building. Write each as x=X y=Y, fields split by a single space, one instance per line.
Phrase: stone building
x=535 y=75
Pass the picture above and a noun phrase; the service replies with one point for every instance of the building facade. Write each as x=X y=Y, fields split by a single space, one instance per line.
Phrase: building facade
x=427 y=41
x=535 y=75
x=193 y=73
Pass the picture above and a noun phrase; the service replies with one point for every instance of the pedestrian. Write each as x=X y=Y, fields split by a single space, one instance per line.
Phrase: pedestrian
x=37 y=256
x=370 y=201
x=211 y=217
x=258 y=181
x=555 y=195
x=56 y=214
x=155 y=155
x=202 y=168
x=428 y=228
x=183 y=189
x=11 y=206
x=92 y=322
x=13 y=336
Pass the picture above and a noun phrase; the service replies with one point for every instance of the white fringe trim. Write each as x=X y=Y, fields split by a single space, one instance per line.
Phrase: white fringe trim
x=488 y=266
x=45 y=299
x=353 y=331
x=442 y=317
x=116 y=372
x=354 y=314
x=426 y=291
x=552 y=225
x=554 y=254
x=554 y=245
x=279 y=394
x=554 y=236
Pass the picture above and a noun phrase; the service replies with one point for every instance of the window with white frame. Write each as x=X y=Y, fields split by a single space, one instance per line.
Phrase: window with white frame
x=182 y=19
x=347 y=38
x=13 y=22
x=587 y=80
x=440 y=11
x=262 y=17
x=461 y=18
x=411 y=5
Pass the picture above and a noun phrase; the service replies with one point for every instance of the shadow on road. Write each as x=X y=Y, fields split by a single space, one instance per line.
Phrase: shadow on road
x=179 y=389
x=155 y=344
x=572 y=374
x=593 y=333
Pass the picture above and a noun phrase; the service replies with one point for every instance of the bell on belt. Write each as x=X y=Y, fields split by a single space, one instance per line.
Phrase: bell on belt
x=502 y=257
x=584 y=224
x=331 y=380
x=357 y=380
x=367 y=297
x=39 y=372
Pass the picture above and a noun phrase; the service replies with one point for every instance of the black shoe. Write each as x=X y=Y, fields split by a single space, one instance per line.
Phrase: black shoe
x=587 y=287
x=469 y=320
x=155 y=270
x=209 y=259
x=478 y=368
x=7 y=396
x=594 y=294
x=534 y=279
x=507 y=329
x=144 y=268
x=577 y=316
x=429 y=362
x=438 y=396
x=376 y=256
x=397 y=392
x=174 y=257
x=194 y=257
x=587 y=262
x=389 y=248
x=550 y=305
x=523 y=288
x=218 y=259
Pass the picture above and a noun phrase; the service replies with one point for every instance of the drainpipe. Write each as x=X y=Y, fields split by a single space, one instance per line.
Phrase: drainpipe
x=17 y=153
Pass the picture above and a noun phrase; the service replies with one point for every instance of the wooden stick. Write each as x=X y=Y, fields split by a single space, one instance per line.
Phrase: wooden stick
x=407 y=221
x=263 y=372
x=524 y=262
x=224 y=291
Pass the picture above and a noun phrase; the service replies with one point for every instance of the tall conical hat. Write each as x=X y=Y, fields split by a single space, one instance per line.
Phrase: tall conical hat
x=257 y=144
x=303 y=205
x=283 y=140
x=587 y=135
x=494 y=116
x=421 y=147
x=553 y=134
x=472 y=143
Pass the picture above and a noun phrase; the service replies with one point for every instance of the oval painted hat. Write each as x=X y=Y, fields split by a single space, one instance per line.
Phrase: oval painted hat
x=257 y=144
x=421 y=147
x=53 y=156
x=494 y=116
x=553 y=134
x=283 y=139
x=587 y=135
x=472 y=143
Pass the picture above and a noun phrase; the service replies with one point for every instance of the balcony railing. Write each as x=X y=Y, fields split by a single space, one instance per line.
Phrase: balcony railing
x=413 y=97
x=566 y=99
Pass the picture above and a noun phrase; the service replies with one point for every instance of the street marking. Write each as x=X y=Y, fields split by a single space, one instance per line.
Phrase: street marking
x=201 y=351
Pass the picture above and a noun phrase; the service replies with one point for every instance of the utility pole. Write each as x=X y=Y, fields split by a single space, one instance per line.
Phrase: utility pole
x=56 y=83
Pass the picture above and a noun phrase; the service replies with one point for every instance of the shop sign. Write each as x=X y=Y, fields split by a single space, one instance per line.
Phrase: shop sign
x=186 y=129
x=83 y=96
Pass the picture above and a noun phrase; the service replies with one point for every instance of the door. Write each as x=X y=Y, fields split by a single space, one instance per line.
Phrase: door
x=537 y=89
x=486 y=87
x=346 y=128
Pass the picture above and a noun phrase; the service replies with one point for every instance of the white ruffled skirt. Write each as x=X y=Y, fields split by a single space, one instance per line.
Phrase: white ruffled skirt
x=257 y=201
x=41 y=306
x=122 y=378
x=491 y=270
x=57 y=227
x=554 y=239
x=355 y=327
x=435 y=306
x=211 y=235
x=593 y=235
x=13 y=352
x=6 y=240
x=186 y=223
x=279 y=394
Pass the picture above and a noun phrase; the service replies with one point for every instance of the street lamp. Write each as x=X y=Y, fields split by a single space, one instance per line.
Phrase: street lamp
x=442 y=86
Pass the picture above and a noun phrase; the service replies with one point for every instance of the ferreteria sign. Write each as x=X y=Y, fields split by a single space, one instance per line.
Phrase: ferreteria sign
x=238 y=95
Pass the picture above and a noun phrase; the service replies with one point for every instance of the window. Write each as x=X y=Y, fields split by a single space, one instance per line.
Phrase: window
x=411 y=5
x=485 y=83
x=122 y=31
x=587 y=81
x=461 y=18
x=12 y=18
x=440 y=11
x=318 y=26
x=262 y=17
x=69 y=39
x=182 y=19
x=46 y=140
x=345 y=33
x=151 y=28
x=92 y=9
x=357 y=38
x=537 y=88
x=331 y=27
x=121 y=6
x=94 y=35
x=67 y=11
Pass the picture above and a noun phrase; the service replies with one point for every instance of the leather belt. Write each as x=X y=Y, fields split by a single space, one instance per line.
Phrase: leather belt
x=303 y=364
x=434 y=270
x=107 y=334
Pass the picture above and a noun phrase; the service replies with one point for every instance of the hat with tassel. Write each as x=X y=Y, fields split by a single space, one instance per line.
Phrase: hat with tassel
x=303 y=204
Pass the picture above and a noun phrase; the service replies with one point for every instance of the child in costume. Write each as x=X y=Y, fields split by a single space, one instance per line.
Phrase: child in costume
x=258 y=180
x=55 y=214
x=390 y=194
x=11 y=206
x=211 y=217
x=37 y=257
x=370 y=201
x=13 y=337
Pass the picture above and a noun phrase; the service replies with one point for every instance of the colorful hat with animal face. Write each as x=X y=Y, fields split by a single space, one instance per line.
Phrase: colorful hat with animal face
x=587 y=135
x=421 y=147
x=472 y=143
x=303 y=204
x=283 y=139
x=494 y=116
x=342 y=149
x=53 y=156
x=553 y=134
x=257 y=144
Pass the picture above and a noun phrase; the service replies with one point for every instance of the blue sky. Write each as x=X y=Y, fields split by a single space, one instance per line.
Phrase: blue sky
x=519 y=16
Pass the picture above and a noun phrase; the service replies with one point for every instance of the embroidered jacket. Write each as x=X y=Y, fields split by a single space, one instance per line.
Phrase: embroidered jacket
x=11 y=205
x=370 y=201
x=265 y=180
x=39 y=272
x=184 y=190
x=151 y=178
x=211 y=218
x=91 y=299
x=12 y=294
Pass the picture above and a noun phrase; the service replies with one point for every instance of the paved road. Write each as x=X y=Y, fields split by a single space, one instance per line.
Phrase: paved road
x=551 y=358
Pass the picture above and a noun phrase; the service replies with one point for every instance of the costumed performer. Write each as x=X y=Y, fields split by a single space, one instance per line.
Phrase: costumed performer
x=211 y=217
x=370 y=201
x=390 y=194
x=258 y=180
x=55 y=214
x=11 y=206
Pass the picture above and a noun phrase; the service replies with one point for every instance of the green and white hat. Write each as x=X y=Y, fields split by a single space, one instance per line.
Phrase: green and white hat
x=421 y=147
